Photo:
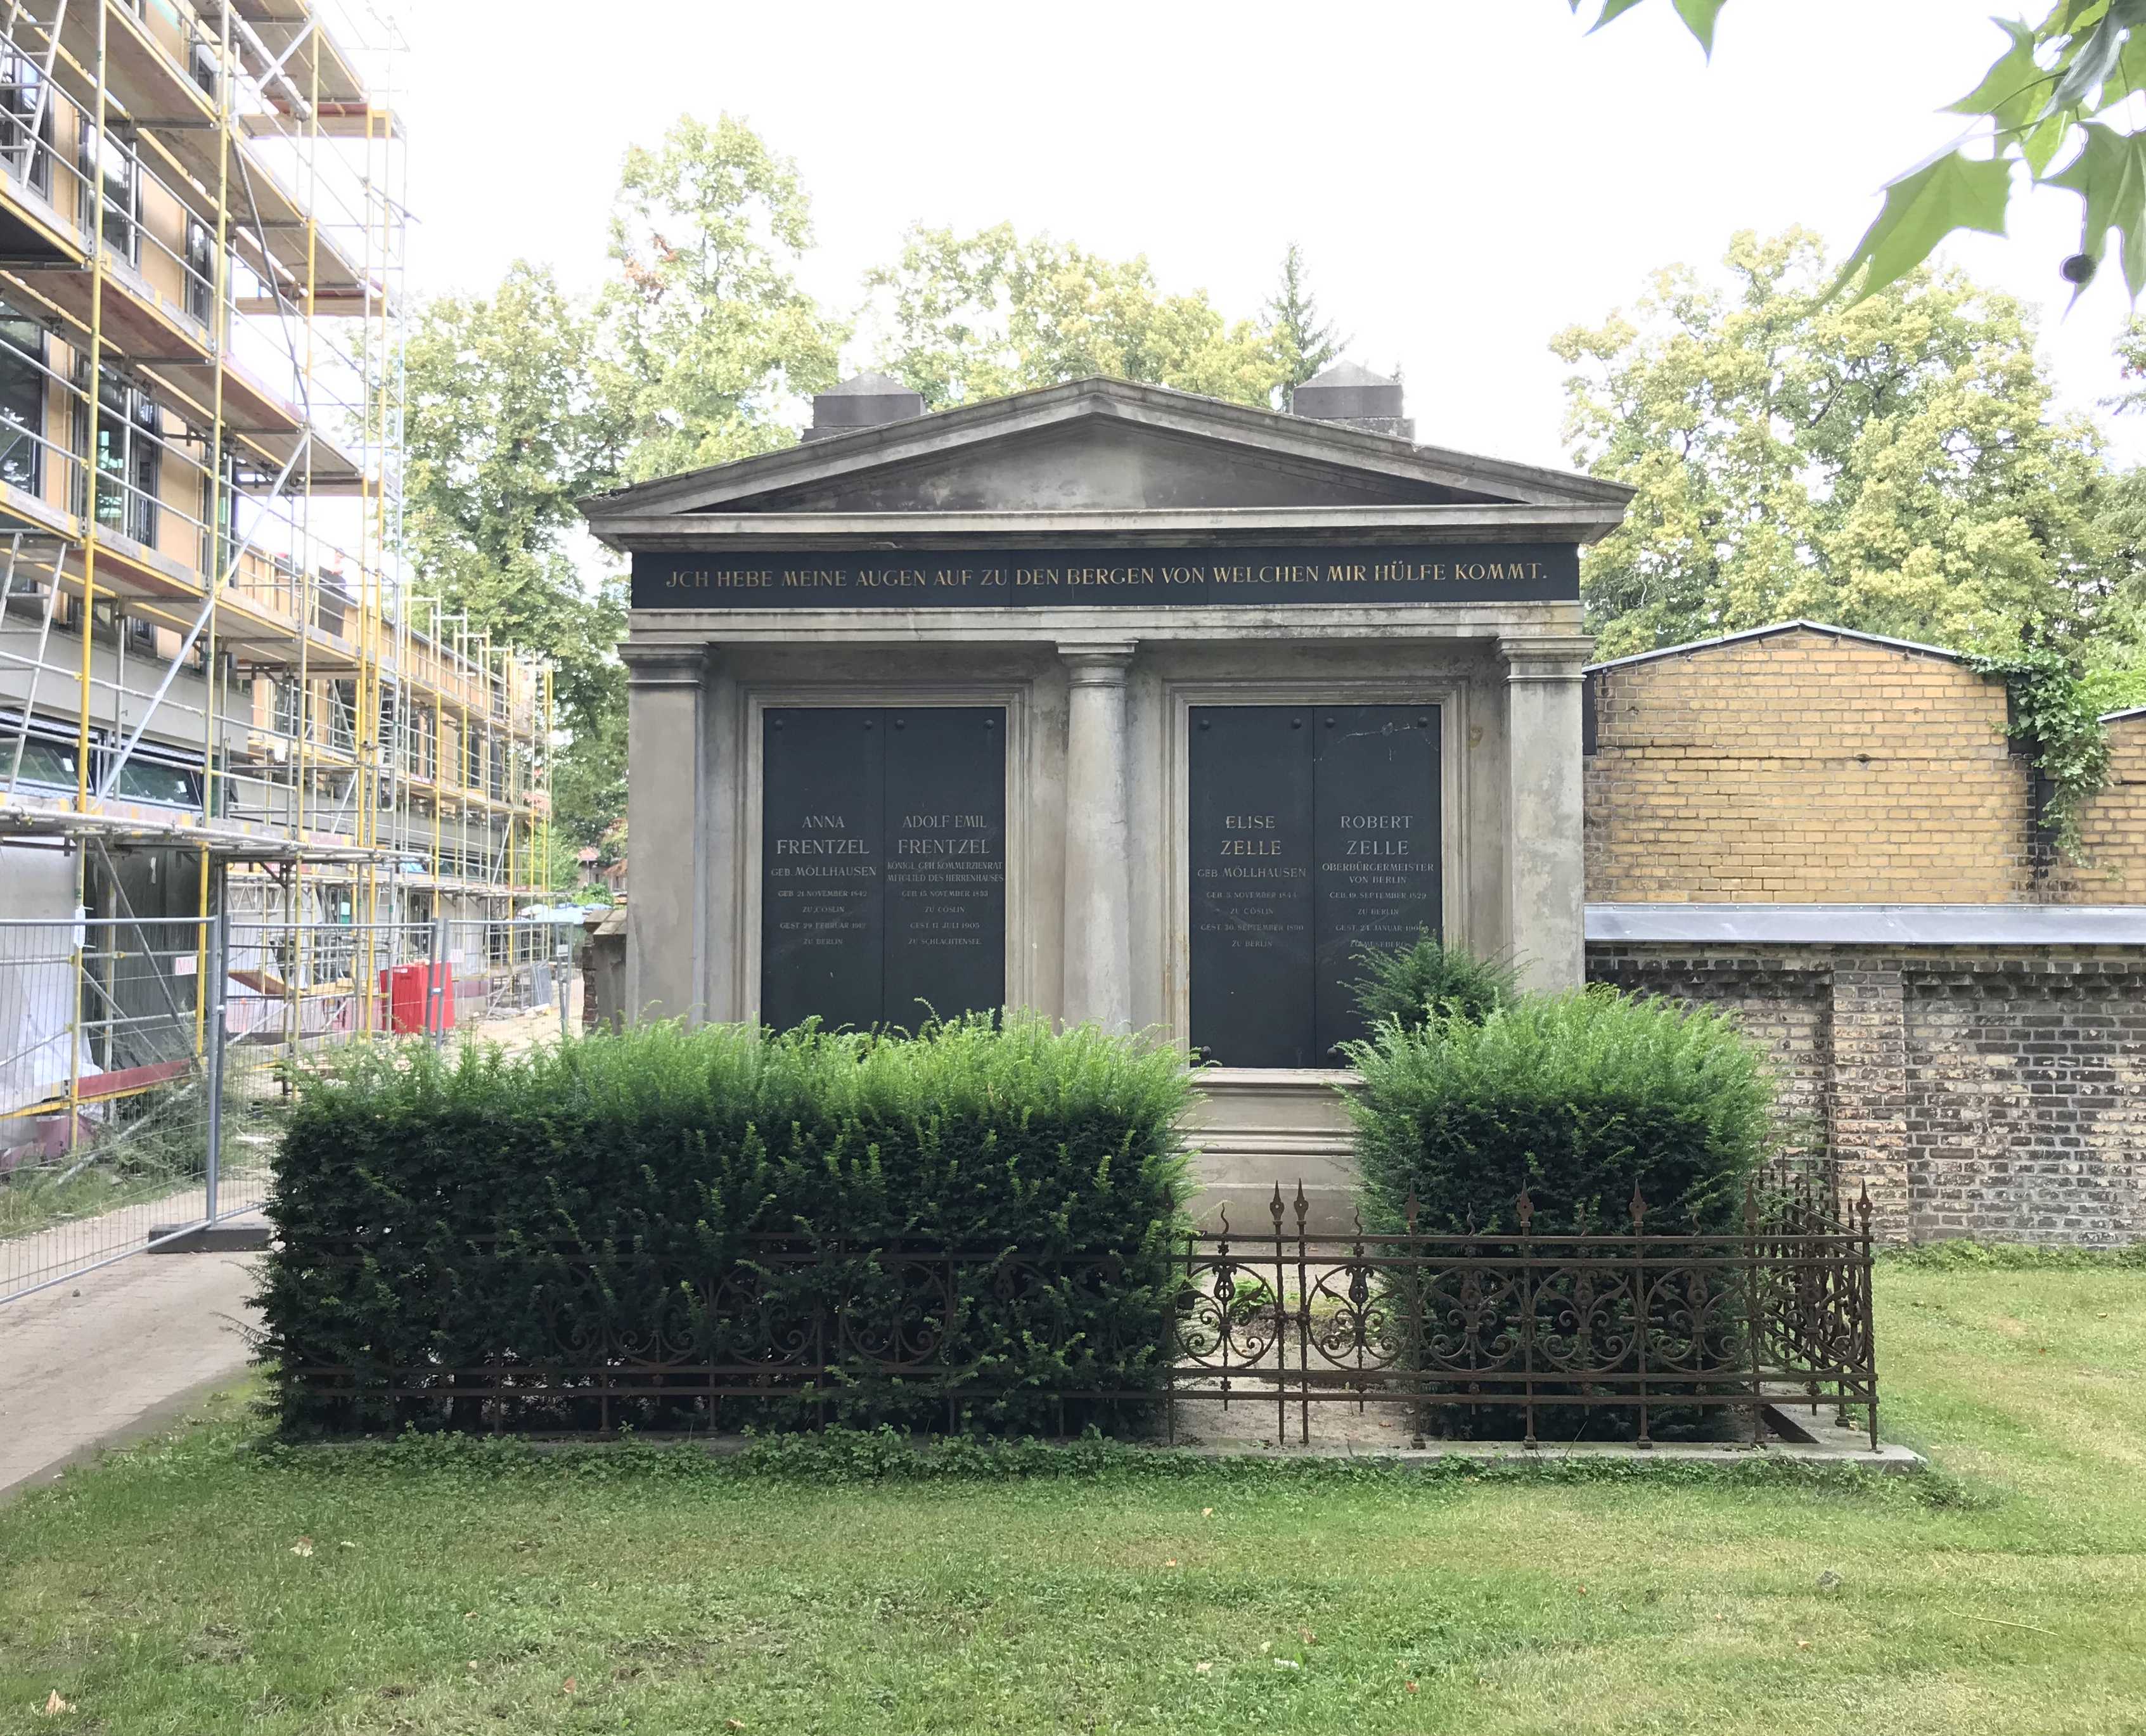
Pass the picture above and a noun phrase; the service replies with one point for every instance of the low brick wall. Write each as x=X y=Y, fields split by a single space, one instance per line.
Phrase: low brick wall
x=1993 y=1092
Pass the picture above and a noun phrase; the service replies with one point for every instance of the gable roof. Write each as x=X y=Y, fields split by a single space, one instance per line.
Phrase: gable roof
x=1748 y=634
x=762 y=482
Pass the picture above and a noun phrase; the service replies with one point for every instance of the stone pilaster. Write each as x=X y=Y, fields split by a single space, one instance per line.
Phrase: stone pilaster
x=1869 y=1088
x=666 y=941
x=1099 y=967
x=1545 y=875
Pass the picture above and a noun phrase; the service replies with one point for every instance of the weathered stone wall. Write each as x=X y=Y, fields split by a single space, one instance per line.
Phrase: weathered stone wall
x=1806 y=767
x=1998 y=1094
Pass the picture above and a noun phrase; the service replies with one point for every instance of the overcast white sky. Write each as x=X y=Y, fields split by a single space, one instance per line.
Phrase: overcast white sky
x=1466 y=177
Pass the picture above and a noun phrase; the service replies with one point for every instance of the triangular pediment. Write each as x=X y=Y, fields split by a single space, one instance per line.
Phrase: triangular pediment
x=1100 y=446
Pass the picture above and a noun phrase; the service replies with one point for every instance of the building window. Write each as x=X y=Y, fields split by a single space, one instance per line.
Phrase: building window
x=129 y=460
x=148 y=777
x=200 y=270
x=22 y=401
x=201 y=64
x=24 y=109
x=342 y=715
x=122 y=194
x=50 y=756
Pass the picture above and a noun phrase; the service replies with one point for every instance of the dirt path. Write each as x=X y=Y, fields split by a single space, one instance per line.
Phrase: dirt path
x=116 y=1355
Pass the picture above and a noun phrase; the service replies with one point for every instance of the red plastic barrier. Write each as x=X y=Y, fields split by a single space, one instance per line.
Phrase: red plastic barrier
x=407 y=990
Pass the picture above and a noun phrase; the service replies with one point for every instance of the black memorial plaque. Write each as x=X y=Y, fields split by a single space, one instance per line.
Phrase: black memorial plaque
x=945 y=868
x=823 y=861
x=1314 y=830
x=1105 y=577
x=1251 y=862
x=1377 y=834
x=883 y=865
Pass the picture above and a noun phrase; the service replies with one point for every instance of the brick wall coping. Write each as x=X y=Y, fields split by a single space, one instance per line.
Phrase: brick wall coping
x=1871 y=924
x=1748 y=634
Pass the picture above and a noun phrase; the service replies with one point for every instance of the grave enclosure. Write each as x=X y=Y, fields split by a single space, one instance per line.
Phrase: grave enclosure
x=1112 y=702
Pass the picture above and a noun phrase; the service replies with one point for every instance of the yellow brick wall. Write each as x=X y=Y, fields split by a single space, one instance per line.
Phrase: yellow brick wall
x=1801 y=768
x=2113 y=828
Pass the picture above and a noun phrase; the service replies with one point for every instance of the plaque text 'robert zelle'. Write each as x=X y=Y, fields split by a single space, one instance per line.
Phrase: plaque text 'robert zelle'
x=882 y=864
x=1313 y=833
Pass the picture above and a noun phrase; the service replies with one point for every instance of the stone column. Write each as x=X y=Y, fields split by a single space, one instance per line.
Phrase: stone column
x=1545 y=876
x=666 y=895
x=1099 y=957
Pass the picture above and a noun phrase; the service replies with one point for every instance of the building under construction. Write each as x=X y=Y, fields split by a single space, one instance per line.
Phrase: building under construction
x=219 y=691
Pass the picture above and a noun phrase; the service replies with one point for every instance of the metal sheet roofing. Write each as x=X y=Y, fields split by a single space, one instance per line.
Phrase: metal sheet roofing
x=1873 y=925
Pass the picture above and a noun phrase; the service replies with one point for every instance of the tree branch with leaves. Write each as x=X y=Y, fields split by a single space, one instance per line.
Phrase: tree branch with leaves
x=2059 y=92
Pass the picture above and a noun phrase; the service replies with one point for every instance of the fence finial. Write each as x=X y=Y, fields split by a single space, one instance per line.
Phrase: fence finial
x=1638 y=1206
x=1862 y=1207
x=1303 y=1206
x=1526 y=1208
x=1275 y=1208
x=1410 y=1210
x=1750 y=1204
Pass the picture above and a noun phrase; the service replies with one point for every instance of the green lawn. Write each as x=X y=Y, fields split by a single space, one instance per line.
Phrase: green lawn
x=170 y=1590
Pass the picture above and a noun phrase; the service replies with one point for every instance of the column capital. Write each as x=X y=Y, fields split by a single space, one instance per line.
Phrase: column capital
x=665 y=666
x=1544 y=657
x=1097 y=663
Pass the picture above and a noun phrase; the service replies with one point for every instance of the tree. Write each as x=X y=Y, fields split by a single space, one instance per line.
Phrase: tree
x=2064 y=82
x=707 y=341
x=971 y=317
x=1308 y=341
x=1889 y=464
x=505 y=433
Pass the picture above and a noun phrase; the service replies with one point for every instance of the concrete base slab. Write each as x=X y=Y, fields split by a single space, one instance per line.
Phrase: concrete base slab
x=1888 y=1459
x=236 y=1235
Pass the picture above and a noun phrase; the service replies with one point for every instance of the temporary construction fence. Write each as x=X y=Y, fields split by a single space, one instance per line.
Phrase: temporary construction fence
x=145 y=1063
x=113 y=1134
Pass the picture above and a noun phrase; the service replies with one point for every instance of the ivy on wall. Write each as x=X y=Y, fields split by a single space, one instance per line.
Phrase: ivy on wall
x=2056 y=719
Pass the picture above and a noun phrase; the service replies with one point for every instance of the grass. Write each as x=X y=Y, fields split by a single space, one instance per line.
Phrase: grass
x=197 y=1587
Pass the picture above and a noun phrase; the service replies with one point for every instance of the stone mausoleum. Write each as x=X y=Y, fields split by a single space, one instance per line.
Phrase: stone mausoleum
x=1111 y=702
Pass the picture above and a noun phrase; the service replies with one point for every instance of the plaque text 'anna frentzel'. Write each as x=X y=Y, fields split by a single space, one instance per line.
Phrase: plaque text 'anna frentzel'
x=1106 y=578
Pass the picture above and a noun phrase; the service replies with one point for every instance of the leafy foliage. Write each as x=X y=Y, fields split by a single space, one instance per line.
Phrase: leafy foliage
x=1310 y=341
x=505 y=434
x=2066 y=81
x=971 y=317
x=2054 y=715
x=1413 y=985
x=1577 y=1098
x=708 y=340
x=616 y=1170
x=1891 y=465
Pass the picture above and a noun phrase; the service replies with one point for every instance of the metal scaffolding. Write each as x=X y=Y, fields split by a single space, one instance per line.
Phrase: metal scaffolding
x=212 y=654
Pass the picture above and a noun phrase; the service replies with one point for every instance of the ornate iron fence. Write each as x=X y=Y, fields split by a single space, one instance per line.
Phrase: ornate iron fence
x=1520 y=1326
x=1492 y=1334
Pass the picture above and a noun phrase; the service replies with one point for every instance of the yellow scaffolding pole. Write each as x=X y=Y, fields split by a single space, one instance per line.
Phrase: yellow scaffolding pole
x=219 y=338
x=88 y=582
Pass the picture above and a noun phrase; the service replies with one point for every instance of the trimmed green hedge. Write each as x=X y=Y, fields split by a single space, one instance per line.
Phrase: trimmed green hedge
x=1576 y=1098
x=1411 y=983
x=705 y=1195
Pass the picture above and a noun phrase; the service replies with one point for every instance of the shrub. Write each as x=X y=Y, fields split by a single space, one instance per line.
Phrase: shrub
x=1412 y=984
x=1576 y=1098
x=708 y=1195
